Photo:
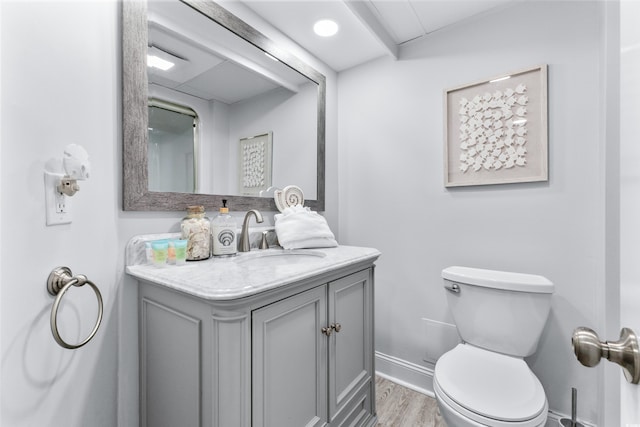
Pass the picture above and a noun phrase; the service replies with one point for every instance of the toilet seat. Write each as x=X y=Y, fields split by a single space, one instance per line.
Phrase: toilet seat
x=490 y=388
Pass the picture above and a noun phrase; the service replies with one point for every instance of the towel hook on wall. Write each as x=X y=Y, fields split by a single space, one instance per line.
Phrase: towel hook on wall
x=59 y=281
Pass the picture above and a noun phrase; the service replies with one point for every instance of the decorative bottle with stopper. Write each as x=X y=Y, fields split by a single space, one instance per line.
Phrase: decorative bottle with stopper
x=224 y=233
x=196 y=228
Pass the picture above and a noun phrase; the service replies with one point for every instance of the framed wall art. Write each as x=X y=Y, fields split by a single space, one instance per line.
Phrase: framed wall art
x=255 y=157
x=495 y=130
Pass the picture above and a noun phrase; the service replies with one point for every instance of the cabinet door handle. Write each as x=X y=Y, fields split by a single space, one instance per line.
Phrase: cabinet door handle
x=327 y=330
x=336 y=327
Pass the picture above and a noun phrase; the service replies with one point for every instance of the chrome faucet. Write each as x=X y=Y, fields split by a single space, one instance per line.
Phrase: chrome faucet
x=245 y=245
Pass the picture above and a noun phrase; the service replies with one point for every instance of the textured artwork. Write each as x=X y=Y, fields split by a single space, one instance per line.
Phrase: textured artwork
x=255 y=163
x=495 y=131
x=253 y=154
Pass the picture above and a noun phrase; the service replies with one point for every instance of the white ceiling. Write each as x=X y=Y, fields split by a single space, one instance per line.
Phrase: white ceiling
x=368 y=28
x=212 y=63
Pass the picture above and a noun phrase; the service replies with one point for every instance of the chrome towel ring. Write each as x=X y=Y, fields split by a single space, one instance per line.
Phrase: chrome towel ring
x=59 y=281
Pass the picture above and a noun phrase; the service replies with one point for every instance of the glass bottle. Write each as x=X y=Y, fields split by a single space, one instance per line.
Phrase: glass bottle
x=196 y=228
x=223 y=231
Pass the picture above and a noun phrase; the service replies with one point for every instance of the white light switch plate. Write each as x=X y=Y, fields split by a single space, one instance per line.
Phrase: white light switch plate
x=57 y=205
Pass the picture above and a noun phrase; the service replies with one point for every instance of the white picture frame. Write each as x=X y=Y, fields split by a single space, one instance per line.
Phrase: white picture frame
x=495 y=130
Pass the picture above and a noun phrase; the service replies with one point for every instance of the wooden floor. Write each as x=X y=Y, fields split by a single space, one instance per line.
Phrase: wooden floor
x=399 y=406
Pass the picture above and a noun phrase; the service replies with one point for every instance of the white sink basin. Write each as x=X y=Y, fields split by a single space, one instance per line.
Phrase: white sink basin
x=276 y=257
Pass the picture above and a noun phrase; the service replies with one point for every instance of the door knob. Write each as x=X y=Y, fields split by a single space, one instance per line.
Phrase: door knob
x=625 y=352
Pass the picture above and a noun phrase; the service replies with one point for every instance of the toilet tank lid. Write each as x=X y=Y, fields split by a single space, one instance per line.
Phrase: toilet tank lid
x=519 y=282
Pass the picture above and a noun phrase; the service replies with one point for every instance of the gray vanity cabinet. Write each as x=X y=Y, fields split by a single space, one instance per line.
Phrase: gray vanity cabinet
x=263 y=360
x=312 y=362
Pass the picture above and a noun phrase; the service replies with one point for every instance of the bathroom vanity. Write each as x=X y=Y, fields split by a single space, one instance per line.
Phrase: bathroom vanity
x=269 y=338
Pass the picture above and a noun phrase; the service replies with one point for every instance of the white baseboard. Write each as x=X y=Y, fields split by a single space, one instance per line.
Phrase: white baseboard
x=407 y=374
x=553 y=420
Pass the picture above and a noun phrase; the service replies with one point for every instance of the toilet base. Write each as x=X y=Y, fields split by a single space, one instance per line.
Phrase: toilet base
x=455 y=419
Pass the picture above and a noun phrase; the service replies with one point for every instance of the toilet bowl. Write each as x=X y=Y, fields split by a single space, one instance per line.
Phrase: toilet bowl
x=485 y=381
x=476 y=387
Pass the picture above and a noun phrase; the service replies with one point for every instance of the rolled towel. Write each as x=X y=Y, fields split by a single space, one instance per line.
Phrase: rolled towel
x=298 y=227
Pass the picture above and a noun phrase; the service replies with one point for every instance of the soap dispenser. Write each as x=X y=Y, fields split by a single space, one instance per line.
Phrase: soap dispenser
x=223 y=230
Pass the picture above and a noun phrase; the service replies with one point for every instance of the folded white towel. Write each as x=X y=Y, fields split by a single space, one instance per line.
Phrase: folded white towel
x=298 y=227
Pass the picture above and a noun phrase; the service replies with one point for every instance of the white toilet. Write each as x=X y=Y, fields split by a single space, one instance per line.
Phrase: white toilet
x=485 y=381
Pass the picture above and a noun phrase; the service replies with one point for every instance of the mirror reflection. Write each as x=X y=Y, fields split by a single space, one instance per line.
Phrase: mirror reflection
x=212 y=90
x=173 y=131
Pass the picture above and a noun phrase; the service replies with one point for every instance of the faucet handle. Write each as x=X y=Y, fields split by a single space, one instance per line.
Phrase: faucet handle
x=263 y=242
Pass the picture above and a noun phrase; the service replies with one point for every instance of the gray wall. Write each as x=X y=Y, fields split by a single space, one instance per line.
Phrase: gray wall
x=392 y=195
x=60 y=85
x=294 y=141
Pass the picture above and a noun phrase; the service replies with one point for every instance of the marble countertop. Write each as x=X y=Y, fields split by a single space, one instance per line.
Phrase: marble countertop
x=245 y=274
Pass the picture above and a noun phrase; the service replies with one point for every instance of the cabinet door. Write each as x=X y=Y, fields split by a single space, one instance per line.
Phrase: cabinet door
x=289 y=367
x=350 y=346
x=171 y=345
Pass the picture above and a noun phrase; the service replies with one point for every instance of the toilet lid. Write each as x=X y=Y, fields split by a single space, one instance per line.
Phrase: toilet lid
x=490 y=384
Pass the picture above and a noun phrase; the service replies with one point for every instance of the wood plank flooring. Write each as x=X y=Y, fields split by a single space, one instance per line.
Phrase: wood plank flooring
x=398 y=406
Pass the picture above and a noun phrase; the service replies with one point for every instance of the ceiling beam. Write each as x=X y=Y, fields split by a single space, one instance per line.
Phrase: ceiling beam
x=368 y=19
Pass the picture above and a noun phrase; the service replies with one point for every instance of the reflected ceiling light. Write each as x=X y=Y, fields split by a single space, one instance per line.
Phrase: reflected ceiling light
x=325 y=28
x=157 y=62
x=161 y=59
x=272 y=57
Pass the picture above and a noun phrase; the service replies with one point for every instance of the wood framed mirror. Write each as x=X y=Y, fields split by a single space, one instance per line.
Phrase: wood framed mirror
x=138 y=88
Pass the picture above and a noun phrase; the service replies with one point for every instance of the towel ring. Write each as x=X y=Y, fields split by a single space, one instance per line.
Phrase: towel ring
x=59 y=282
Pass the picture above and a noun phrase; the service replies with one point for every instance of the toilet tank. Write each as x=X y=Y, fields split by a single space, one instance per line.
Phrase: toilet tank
x=497 y=310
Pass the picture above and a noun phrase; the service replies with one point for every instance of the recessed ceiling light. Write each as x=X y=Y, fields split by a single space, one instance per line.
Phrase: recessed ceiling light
x=325 y=28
